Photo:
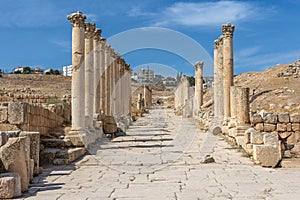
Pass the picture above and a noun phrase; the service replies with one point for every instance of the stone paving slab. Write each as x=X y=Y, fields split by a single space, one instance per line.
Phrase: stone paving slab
x=160 y=159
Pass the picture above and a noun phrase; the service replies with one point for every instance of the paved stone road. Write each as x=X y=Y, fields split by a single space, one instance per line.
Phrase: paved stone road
x=160 y=159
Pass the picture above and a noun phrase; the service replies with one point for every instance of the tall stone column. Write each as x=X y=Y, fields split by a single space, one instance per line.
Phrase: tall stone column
x=118 y=86
x=243 y=110
x=97 y=68
x=199 y=84
x=102 y=74
x=128 y=89
x=78 y=20
x=89 y=74
x=107 y=79
x=113 y=82
x=233 y=101
x=122 y=86
x=227 y=30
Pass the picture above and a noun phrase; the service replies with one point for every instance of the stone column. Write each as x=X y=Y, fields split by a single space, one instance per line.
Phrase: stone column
x=227 y=30
x=233 y=101
x=122 y=87
x=89 y=75
x=77 y=20
x=97 y=66
x=242 y=111
x=128 y=89
x=113 y=83
x=118 y=86
x=102 y=74
x=199 y=84
x=107 y=80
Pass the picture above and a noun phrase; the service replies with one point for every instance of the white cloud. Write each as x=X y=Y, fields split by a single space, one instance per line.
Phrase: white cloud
x=263 y=60
x=207 y=13
x=91 y=17
x=64 y=45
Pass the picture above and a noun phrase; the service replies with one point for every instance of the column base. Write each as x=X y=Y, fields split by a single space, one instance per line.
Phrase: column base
x=76 y=137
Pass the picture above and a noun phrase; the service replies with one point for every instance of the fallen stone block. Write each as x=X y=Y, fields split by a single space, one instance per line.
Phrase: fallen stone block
x=267 y=155
x=270 y=118
x=7 y=186
x=256 y=137
x=17 y=113
x=271 y=138
x=255 y=119
x=3 y=114
x=295 y=118
x=284 y=118
x=17 y=182
x=3 y=138
x=34 y=148
x=15 y=157
x=269 y=127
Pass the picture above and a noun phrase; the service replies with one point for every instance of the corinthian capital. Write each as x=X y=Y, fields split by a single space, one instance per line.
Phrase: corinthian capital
x=77 y=19
x=97 y=34
x=227 y=30
x=89 y=30
x=198 y=65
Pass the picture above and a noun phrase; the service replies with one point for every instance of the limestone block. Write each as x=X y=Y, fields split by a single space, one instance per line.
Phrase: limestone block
x=295 y=126
x=7 y=186
x=14 y=156
x=270 y=118
x=247 y=135
x=259 y=127
x=3 y=114
x=281 y=127
x=284 y=135
x=34 y=148
x=284 y=117
x=3 y=138
x=267 y=155
x=17 y=183
x=293 y=138
x=296 y=149
x=295 y=118
x=269 y=127
x=249 y=149
x=17 y=113
x=271 y=138
x=256 y=137
x=109 y=124
x=255 y=119
x=289 y=127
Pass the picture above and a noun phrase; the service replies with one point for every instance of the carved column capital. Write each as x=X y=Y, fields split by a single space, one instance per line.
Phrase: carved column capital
x=198 y=65
x=77 y=19
x=97 y=34
x=228 y=30
x=89 y=30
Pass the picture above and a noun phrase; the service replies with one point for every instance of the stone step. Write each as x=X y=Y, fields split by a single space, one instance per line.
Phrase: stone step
x=60 y=156
x=56 y=143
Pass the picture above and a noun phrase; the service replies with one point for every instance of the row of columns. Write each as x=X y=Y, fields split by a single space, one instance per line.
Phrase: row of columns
x=223 y=72
x=230 y=102
x=100 y=77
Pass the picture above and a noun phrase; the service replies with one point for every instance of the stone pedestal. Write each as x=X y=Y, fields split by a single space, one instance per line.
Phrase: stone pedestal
x=199 y=85
x=78 y=79
x=89 y=75
x=227 y=30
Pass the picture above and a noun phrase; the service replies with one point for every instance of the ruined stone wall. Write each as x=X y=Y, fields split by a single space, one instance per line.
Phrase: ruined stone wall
x=285 y=126
x=182 y=95
x=29 y=117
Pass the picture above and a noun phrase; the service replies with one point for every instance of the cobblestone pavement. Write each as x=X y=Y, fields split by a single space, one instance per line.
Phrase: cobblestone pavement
x=159 y=158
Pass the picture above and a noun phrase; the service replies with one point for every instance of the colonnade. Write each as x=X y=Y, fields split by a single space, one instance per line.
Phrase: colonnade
x=100 y=76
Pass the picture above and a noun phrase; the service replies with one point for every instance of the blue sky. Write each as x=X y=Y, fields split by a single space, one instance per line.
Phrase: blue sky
x=37 y=33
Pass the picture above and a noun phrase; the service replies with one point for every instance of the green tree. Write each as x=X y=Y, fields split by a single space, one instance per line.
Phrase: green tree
x=191 y=80
x=26 y=70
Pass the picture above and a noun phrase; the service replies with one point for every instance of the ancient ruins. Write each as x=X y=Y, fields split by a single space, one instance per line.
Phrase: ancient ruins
x=41 y=129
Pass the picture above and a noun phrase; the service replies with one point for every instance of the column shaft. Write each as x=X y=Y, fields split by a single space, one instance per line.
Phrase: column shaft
x=227 y=30
x=97 y=66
